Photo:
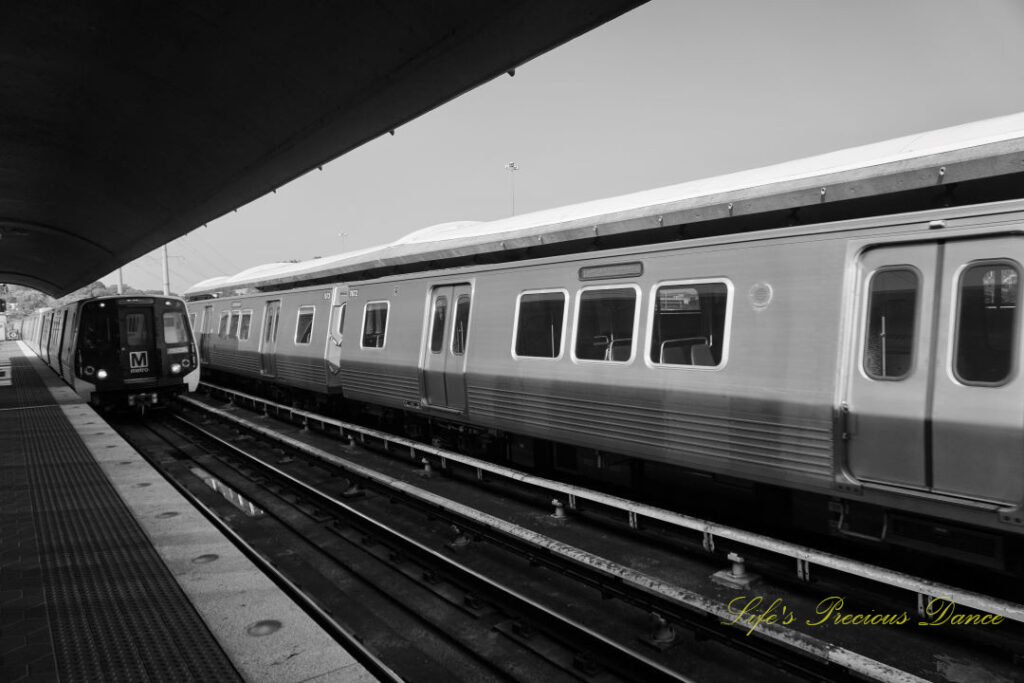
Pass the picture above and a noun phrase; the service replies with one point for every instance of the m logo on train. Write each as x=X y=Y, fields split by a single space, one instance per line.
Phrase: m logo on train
x=139 y=361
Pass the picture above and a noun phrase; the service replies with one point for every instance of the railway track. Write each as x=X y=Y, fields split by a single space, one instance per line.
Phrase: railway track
x=368 y=596
x=452 y=566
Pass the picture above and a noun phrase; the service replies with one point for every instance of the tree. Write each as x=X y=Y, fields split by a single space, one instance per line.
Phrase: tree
x=23 y=301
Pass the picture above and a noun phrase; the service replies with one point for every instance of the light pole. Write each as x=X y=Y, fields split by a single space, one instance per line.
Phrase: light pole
x=512 y=167
x=167 y=270
x=343 y=235
x=167 y=274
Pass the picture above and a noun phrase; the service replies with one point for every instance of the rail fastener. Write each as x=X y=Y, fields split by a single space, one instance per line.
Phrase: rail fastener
x=737 y=575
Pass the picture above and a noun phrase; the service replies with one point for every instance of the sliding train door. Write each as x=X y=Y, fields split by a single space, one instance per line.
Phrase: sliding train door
x=268 y=342
x=205 y=334
x=978 y=402
x=443 y=359
x=888 y=388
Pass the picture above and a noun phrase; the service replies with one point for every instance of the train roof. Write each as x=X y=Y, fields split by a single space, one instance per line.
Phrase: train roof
x=971 y=163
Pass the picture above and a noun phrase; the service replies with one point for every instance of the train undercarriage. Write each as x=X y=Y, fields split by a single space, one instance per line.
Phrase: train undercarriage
x=800 y=516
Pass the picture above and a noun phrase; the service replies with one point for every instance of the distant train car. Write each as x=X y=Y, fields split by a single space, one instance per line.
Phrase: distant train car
x=291 y=339
x=118 y=351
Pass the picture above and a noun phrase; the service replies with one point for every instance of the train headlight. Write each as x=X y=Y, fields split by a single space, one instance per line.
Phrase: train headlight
x=186 y=363
x=101 y=374
x=175 y=368
x=89 y=370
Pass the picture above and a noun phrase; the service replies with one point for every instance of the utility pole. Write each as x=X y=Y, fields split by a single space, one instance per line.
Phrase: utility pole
x=120 y=281
x=512 y=167
x=167 y=274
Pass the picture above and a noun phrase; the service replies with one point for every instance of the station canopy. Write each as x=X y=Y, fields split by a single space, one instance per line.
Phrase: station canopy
x=126 y=125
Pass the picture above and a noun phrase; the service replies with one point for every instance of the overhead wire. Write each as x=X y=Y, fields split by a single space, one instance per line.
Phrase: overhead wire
x=209 y=247
x=216 y=268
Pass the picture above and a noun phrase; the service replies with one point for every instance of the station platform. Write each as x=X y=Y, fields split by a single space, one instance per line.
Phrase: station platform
x=108 y=574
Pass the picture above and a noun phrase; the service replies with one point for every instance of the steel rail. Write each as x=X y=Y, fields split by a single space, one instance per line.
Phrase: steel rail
x=792 y=640
x=803 y=555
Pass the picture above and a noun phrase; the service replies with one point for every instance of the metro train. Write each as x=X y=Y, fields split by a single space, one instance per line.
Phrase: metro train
x=862 y=375
x=806 y=359
x=118 y=351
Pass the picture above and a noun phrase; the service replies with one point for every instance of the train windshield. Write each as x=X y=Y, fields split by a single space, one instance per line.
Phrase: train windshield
x=99 y=328
x=135 y=329
x=175 y=328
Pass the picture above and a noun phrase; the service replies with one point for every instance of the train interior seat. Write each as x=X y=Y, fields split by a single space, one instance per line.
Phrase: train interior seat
x=686 y=351
x=700 y=354
x=673 y=355
x=620 y=349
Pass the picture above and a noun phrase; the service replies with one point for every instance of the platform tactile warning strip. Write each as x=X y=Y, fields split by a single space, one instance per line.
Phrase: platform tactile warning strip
x=83 y=594
x=26 y=390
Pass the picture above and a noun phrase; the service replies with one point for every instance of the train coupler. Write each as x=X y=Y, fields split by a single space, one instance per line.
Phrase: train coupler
x=149 y=398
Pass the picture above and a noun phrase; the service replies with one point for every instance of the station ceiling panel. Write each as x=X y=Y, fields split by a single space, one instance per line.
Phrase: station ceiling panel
x=125 y=125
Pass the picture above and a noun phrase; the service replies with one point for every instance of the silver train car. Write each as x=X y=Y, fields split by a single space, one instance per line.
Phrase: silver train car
x=862 y=373
x=118 y=351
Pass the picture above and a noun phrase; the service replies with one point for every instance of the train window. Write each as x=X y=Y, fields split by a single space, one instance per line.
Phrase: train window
x=99 y=328
x=136 y=333
x=222 y=329
x=460 y=330
x=986 y=323
x=175 y=328
x=304 y=325
x=341 y=321
x=688 y=324
x=605 y=323
x=540 y=322
x=192 y=320
x=244 y=325
x=437 y=326
x=375 y=324
x=233 y=327
x=892 y=314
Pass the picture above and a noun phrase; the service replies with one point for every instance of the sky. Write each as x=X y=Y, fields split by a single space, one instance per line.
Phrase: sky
x=675 y=90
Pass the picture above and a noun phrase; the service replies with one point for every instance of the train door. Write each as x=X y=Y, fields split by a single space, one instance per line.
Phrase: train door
x=59 y=335
x=67 y=346
x=889 y=381
x=268 y=343
x=139 y=356
x=44 y=337
x=335 y=332
x=888 y=389
x=205 y=334
x=978 y=404
x=444 y=366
